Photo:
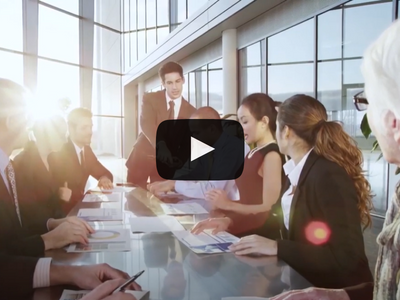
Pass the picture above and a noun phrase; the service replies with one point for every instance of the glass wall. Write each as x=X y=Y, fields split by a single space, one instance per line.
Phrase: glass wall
x=203 y=86
x=107 y=81
x=147 y=23
x=326 y=67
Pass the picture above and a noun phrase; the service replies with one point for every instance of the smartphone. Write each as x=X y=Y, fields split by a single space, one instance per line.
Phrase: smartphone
x=128 y=282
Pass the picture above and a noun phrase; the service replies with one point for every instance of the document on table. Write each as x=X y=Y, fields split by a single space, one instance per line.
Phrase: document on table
x=76 y=295
x=113 y=197
x=206 y=242
x=99 y=247
x=100 y=214
x=183 y=209
x=116 y=189
x=104 y=240
x=155 y=224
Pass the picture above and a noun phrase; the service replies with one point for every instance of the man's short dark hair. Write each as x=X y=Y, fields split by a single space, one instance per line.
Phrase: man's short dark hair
x=78 y=113
x=170 y=67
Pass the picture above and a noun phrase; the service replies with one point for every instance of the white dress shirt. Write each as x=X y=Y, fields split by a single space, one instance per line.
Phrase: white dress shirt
x=293 y=172
x=41 y=277
x=78 y=152
x=4 y=161
x=177 y=107
x=197 y=189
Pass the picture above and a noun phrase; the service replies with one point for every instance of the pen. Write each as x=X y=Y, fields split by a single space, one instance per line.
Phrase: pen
x=122 y=287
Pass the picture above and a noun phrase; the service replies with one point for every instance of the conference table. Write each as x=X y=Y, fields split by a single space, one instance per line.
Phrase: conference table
x=172 y=270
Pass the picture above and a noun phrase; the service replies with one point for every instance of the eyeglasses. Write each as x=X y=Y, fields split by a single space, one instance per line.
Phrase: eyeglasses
x=360 y=101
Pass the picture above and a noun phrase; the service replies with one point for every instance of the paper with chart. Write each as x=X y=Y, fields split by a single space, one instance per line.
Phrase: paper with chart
x=155 y=224
x=183 y=209
x=206 y=242
x=76 y=295
x=100 y=214
x=105 y=240
x=113 y=197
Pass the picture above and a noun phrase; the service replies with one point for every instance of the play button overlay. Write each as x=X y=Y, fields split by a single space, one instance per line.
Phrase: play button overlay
x=194 y=149
x=198 y=148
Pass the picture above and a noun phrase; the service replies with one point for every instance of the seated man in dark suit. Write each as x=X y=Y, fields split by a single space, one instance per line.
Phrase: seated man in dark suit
x=17 y=235
x=76 y=161
x=157 y=107
x=21 y=275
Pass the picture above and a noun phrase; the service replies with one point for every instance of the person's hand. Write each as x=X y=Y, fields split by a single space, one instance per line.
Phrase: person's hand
x=54 y=223
x=163 y=153
x=105 y=183
x=104 y=291
x=313 y=294
x=65 y=234
x=64 y=193
x=160 y=187
x=86 y=277
x=219 y=199
x=216 y=224
x=255 y=244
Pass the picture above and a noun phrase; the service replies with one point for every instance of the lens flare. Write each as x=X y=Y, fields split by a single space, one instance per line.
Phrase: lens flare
x=318 y=233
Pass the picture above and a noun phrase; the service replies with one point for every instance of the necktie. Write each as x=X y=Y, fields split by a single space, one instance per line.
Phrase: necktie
x=13 y=188
x=82 y=159
x=171 y=110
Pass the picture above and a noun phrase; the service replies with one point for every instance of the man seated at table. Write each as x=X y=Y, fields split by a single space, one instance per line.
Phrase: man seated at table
x=76 y=160
x=197 y=189
x=18 y=219
x=20 y=276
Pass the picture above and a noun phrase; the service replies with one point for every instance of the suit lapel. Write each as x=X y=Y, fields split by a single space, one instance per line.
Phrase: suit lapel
x=182 y=109
x=8 y=203
x=162 y=105
x=311 y=159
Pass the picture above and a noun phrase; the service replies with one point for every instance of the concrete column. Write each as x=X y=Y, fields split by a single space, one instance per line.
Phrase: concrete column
x=229 y=71
x=141 y=91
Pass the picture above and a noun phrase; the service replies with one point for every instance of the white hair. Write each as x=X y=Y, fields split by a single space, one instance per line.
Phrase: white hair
x=381 y=71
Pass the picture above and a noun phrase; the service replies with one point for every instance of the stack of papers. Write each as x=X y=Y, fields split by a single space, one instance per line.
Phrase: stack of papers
x=155 y=224
x=113 y=197
x=105 y=240
x=75 y=295
x=100 y=214
x=183 y=209
x=206 y=242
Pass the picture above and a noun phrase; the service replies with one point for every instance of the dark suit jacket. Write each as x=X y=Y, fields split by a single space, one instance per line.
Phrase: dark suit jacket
x=16 y=273
x=15 y=239
x=66 y=168
x=38 y=191
x=154 y=111
x=325 y=193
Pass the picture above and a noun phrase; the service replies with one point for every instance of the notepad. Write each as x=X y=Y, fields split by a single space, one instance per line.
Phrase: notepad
x=155 y=224
x=183 y=209
x=100 y=214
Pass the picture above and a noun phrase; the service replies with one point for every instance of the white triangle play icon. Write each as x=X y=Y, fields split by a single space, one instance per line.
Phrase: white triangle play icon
x=198 y=149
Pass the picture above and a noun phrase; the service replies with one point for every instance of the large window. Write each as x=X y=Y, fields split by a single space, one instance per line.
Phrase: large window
x=70 y=5
x=326 y=66
x=205 y=86
x=107 y=49
x=291 y=72
x=106 y=94
x=58 y=35
x=11 y=24
x=107 y=134
x=58 y=80
x=12 y=66
x=108 y=13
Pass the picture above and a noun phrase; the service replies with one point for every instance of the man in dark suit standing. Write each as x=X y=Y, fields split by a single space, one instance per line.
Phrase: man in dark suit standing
x=75 y=162
x=157 y=107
